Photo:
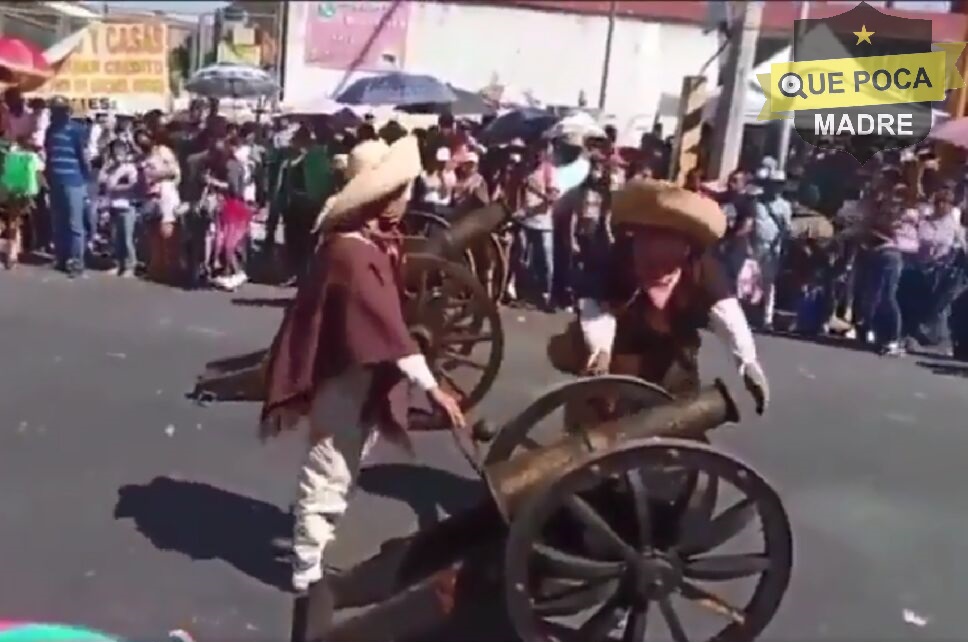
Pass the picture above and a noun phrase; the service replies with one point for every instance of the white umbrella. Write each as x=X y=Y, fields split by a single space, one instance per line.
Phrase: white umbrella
x=578 y=124
x=509 y=96
x=230 y=80
x=320 y=105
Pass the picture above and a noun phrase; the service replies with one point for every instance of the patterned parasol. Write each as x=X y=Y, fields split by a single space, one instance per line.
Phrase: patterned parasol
x=230 y=80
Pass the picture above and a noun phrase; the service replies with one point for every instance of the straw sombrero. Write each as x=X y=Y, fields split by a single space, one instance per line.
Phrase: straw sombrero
x=374 y=170
x=654 y=203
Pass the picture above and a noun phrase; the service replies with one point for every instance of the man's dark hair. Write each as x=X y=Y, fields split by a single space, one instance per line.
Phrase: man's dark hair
x=366 y=132
x=446 y=121
x=392 y=132
x=745 y=207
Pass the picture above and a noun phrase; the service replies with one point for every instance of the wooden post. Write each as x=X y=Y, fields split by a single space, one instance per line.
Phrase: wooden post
x=685 y=149
x=730 y=110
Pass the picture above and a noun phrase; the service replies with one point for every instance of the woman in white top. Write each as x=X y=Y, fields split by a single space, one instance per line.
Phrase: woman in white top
x=438 y=180
x=161 y=174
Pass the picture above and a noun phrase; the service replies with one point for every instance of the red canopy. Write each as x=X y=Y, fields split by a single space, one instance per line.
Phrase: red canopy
x=21 y=61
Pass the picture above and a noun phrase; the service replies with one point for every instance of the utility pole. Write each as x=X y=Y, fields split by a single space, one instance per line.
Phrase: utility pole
x=613 y=8
x=730 y=108
x=786 y=125
x=951 y=157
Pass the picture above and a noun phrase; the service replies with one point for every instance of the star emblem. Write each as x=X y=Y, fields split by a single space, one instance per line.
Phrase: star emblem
x=864 y=35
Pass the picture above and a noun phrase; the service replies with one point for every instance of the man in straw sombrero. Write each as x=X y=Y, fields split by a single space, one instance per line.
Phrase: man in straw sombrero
x=343 y=357
x=659 y=289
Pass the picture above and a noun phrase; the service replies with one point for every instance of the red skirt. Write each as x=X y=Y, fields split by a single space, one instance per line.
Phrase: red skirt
x=233 y=225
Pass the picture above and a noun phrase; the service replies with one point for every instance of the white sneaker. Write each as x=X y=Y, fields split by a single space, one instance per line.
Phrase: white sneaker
x=239 y=280
x=304 y=577
x=222 y=282
x=892 y=349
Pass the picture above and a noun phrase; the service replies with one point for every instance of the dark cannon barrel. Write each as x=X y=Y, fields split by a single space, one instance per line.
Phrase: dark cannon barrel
x=451 y=242
x=511 y=481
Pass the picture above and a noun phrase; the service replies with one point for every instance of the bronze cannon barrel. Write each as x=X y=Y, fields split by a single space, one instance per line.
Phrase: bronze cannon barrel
x=512 y=481
x=450 y=242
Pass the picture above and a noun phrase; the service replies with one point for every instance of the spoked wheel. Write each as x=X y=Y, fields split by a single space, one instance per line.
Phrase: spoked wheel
x=589 y=401
x=491 y=265
x=592 y=548
x=456 y=325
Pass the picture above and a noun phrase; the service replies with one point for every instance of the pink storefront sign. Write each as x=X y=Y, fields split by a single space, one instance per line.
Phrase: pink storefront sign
x=367 y=36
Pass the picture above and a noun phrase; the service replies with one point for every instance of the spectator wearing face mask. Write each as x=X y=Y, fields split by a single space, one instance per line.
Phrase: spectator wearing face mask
x=774 y=217
x=892 y=233
x=118 y=184
x=936 y=277
x=470 y=189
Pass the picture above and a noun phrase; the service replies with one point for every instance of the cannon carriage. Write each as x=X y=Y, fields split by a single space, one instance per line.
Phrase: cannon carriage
x=631 y=529
x=624 y=525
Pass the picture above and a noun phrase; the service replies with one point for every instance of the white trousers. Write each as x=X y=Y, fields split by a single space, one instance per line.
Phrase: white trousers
x=337 y=445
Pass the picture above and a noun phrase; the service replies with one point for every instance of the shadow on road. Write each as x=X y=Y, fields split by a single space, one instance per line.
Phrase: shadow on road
x=950 y=368
x=205 y=522
x=423 y=488
x=280 y=302
x=818 y=339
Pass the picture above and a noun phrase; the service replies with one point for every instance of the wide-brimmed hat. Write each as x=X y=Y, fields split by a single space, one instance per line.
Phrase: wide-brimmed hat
x=365 y=155
x=653 y=203
x=375 y=170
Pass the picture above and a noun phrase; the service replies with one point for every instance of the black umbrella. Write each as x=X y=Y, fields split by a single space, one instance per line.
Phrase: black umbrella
x=527 y=124
x=467 y=103
x=397 y=89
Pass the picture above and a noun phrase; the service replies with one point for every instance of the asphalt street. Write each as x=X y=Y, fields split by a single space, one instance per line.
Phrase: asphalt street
x=126 y=507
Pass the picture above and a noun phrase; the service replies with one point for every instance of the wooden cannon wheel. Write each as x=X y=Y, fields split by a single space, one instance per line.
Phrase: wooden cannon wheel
x=456 y=325
x=581 y=401
x=590 y=547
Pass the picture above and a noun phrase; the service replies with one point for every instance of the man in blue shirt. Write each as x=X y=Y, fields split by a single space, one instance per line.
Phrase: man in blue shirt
x=68 y=173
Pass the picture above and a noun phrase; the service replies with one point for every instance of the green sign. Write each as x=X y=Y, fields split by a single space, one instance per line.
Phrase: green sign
x=326 y=9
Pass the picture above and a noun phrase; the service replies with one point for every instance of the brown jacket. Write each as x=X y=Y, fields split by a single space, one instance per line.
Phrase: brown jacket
x=348 y=312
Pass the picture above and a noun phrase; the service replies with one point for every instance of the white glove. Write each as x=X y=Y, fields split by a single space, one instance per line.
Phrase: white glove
x=756 y=383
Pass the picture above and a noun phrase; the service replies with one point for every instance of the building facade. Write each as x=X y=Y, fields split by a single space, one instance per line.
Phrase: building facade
x=558 y=57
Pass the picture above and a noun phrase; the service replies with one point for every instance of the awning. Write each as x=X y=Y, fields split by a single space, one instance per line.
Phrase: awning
x=72 y=9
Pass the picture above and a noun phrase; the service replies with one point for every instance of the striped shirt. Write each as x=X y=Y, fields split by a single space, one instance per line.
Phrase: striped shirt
x=66 y=148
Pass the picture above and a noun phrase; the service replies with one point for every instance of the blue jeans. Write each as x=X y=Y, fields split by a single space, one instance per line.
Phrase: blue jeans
x=68 y=220
x=124 y=220
x=90 y=219
x=880 y=301
x=537 y=265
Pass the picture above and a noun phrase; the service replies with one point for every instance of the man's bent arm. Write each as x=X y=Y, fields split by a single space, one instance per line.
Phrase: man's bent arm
x=728 y=322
